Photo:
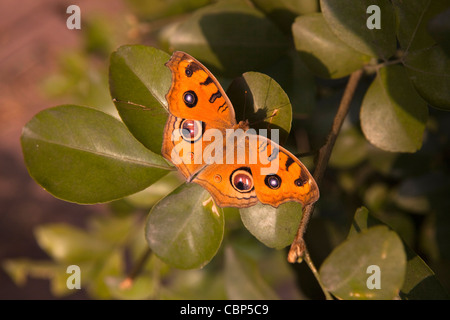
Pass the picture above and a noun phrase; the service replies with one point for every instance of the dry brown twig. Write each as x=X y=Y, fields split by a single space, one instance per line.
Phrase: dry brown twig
x=298 y=246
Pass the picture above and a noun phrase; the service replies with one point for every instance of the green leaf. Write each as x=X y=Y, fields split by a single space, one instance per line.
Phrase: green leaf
x=284 y=12
x=243 y=280
x=20 y=269
x=412 y=22
x=429 y=71
x=67 y=244
x=348 y=20
x=349 y=150
x=97 y=274
x=393 y=115
x=195 y=284
x=155 y=9
x=139 y=82
x=185 y=229
x=420 y=281
x=275 y=227
x=83 y=155
x=158 y=190
x=293 y=75
x=230 y=37
x=314 y=41
x=259 y=99
x=362 y=221
x=346 y=271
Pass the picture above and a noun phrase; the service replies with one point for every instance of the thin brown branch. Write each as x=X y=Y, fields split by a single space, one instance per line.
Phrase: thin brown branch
x=298 y=246
x=137 y=269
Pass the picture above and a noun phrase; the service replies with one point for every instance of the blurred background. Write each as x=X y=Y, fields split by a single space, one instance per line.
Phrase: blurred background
x=44 y=64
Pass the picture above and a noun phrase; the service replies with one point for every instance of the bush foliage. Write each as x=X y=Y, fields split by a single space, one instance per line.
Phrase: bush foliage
x=384 y=198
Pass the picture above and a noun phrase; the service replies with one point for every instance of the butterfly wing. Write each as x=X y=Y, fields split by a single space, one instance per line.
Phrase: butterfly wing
x=196 y=94
x=229 y=179
x=275 y=177
x=197 y=103
x=280 y=177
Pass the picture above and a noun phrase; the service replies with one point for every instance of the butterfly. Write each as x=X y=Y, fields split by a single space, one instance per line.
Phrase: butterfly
x=202 y=138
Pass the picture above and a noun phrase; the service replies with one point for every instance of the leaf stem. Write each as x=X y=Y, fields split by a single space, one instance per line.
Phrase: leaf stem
x=137 y=269
x=313 y=269
x=298 y=249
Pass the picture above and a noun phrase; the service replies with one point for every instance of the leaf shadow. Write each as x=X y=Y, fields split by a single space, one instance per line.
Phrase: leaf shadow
x=242 y=42
x=259 y=117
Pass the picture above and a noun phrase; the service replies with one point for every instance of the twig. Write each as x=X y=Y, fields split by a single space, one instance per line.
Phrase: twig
x=137 y=269
x=313 y=269
x=298 y=247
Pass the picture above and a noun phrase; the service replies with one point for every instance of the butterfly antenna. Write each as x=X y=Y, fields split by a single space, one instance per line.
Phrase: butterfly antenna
x=131 y=103
x=306 y=154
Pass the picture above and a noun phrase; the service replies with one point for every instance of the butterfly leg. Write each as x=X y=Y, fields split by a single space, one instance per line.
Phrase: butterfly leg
x=214 y=207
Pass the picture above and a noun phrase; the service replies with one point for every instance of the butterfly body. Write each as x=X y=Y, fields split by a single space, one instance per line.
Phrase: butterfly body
x=203 y=140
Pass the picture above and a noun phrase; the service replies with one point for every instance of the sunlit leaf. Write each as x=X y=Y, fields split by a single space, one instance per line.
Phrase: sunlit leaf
x=83 y=155
x=185 y=229
x=275 y=227
x=314 y=41
x=259 y=99
x=68 y=244
x=243 y=280
x=139 y=82
x=420 y=281
x=393 y=115
x=347 y=272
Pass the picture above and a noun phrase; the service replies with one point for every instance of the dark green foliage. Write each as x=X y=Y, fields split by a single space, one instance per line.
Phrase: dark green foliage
x=391 y=156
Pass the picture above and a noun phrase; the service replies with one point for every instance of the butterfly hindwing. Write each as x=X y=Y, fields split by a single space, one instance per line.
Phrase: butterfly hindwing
x=276 y=177
x=280 y=177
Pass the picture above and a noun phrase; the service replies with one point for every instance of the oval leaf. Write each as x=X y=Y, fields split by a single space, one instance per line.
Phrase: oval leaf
x=284 y=12
x=429 y=71
x=275 y=227
x=347 y=271
x=185 y=229
x=243 y=280
x=139 y=82
x=83 y=155
x=413 y=29
x=259 y=99
x=230 y=37
x=420 y=281
x=349 y=20
x=152 y=10
x=393 y=115
x=314 y=41
x=67 y=244
x=350 y=149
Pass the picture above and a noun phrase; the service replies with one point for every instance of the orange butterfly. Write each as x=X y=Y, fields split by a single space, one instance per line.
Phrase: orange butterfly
x=202 y=122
